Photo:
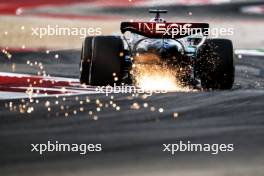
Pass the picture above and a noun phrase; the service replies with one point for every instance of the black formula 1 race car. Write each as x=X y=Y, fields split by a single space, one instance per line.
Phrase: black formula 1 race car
x=185 y=47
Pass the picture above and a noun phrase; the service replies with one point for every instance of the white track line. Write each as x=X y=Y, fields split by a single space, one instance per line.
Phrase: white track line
x=249 y=52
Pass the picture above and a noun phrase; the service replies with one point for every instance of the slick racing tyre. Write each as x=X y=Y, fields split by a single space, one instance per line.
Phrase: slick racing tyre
x=215 y=64
x=104 y=55
x=86 y=56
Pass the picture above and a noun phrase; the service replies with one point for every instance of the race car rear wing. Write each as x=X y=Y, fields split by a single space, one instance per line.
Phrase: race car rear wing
x=165 y=30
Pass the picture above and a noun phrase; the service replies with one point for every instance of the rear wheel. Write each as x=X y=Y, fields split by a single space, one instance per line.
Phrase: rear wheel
x=215 y=64
x=105 y=64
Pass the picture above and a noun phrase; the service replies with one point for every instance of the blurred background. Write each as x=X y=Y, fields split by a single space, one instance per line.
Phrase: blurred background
x=17 y=18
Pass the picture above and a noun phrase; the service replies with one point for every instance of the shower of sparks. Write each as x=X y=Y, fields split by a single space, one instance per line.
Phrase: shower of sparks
x=147 y=77
x=150 y=74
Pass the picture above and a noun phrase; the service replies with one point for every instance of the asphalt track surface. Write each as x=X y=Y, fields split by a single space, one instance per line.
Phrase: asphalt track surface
x=132 y=138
